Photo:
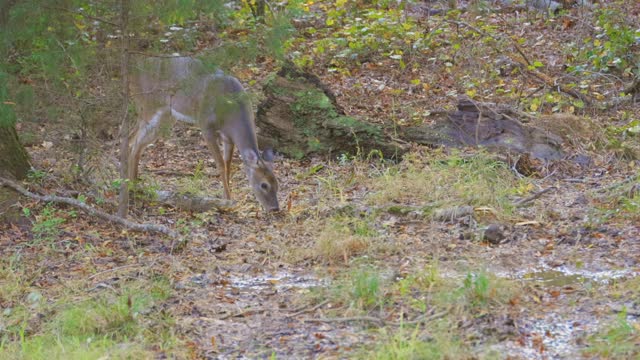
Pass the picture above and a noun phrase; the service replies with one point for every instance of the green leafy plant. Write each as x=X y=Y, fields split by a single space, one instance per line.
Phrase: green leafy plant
x=610 y=48
x=47 y=224
x=36 y=176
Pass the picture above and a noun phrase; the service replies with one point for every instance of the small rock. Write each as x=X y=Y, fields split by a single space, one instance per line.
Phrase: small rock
x=493 y=234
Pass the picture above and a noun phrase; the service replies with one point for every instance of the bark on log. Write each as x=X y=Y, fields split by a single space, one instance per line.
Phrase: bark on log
x=300 y=116
x=489 y=126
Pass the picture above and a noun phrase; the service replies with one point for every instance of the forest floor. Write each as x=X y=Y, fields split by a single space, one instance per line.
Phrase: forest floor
x=449 y=253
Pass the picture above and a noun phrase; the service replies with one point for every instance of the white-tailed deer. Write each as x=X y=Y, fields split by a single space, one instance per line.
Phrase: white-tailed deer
x=180 y=88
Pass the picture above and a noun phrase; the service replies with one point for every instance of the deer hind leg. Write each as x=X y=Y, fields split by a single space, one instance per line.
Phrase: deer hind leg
x=211 y=136
x=146 y=133
x=227 y=153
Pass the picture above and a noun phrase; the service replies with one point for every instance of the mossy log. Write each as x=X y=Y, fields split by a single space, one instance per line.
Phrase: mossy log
x=300 y=116
x=496 y=128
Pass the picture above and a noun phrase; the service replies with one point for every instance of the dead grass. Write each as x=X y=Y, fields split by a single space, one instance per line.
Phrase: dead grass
x=337 y=241
x=444 y=181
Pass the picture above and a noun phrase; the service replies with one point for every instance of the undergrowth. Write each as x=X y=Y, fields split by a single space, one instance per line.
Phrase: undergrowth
x=70 y=324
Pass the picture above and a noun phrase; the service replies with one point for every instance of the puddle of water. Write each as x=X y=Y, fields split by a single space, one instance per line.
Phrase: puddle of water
x=549 y=337
x=554 y=278
x=280 y=281
x=563 y=275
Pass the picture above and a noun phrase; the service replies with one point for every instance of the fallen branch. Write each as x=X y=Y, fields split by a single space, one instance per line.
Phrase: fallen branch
x=551 y=82
x=90 y=210
x=348 y=319
x=381 y=322
x=529 y=199
x=305 y=309
x=420 y=319
x=243 y=313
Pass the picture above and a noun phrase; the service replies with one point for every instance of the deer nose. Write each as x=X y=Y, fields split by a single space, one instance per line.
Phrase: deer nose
x=274 y=208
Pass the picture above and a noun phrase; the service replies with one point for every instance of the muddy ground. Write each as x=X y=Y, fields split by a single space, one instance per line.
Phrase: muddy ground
x=243 y=284
x=551 y=277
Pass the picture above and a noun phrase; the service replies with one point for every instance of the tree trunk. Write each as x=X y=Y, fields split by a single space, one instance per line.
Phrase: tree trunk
x=14 y=162
x=123 y=198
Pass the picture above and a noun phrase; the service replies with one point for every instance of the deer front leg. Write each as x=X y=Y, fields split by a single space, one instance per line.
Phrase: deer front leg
x=145 y=134
x=211 y=137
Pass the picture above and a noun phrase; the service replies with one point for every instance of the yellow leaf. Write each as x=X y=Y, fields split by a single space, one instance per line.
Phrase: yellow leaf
x=80 y=26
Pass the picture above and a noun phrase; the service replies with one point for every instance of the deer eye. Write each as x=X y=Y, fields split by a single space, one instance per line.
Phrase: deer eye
x=264 y=186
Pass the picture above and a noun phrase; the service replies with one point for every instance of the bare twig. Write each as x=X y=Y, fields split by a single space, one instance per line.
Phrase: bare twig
x=618 y=184
x=156 y=55
x=536 y=195
x=484 y=33
x=304 y=309
x=81 y=13
x=546 y=79
x=243 y=313
x=90 y=210
x=113 y=269
x=381 y=322
x=348 y=319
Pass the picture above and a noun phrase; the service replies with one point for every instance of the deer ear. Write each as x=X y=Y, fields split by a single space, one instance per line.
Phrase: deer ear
x=268 y=155
x=250 y=158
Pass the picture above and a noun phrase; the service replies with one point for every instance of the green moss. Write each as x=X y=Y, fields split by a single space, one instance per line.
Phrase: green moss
x=316 y=118
x=312 y=102
x=357 y=126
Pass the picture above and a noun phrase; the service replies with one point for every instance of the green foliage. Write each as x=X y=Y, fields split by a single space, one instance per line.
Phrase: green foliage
x=364 y=34
x=366 y=292
x=36 y=176
x=610 y=48
x=617 y=341
x=46 y=226
x=409 y=344
x=51 y=45
x=361 y=289
x=196 y=184
x=476 y=287
x=113 y=325
x=623 y=140
x=620 y=201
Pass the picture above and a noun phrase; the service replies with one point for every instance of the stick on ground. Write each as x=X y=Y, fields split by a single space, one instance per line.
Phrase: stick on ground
x=90 y=210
